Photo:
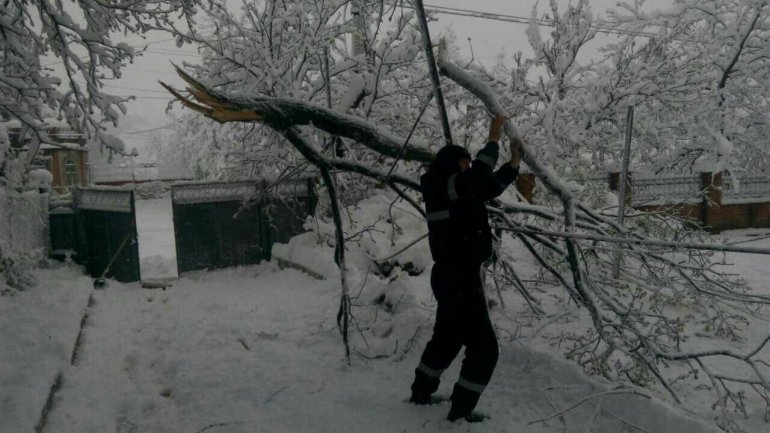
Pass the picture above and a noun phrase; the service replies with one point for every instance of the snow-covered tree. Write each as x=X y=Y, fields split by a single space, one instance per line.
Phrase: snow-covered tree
x=704 y=65
x=695 y=73
x=55 y=57
x=305 y=50
x=83 y=39
x=267 y=68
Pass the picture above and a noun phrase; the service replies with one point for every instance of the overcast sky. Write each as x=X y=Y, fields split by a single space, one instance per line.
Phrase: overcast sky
x=489 y=38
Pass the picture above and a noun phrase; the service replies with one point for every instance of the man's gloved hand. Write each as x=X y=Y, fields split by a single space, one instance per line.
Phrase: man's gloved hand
x=496 y=133
x=515 y=146
x=496 y=128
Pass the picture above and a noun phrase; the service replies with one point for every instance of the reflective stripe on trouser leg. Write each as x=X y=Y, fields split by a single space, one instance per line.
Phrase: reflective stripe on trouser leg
x=471 y=386
x=430 y=372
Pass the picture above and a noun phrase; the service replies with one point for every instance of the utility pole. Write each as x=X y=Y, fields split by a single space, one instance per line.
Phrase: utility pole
x=624 y=181
x=437 y=93
x=358 y=36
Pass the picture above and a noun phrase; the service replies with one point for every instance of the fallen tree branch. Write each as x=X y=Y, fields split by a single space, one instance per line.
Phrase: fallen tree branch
x=343 y=315
x=650 y=242
x=282 y=113
x=589 y=398
x=627 y=314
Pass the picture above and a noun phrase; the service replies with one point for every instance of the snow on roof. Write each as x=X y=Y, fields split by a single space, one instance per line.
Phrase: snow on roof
x=13 y=123
x=69 y=146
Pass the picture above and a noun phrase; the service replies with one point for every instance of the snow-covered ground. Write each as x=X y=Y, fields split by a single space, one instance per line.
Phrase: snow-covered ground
x=38 y=329
x=256 y=349
x=157 y=246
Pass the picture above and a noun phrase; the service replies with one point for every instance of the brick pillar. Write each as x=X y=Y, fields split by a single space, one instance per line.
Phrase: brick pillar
x=614 y=181
x=525 y=183
x=711 y=184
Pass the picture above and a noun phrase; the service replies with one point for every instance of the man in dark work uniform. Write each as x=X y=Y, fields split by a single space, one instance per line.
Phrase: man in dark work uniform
x=455 y=191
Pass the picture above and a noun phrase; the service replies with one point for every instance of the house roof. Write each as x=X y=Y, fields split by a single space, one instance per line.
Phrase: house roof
x=58 y=146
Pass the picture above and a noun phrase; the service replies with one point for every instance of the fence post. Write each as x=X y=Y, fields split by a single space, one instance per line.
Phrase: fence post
x=525 y=183
x=614 y=181
x=711 y=185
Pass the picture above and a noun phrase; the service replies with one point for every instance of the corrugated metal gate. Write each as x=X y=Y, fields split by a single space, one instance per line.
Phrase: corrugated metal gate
x=213 y=230
x=105 y=221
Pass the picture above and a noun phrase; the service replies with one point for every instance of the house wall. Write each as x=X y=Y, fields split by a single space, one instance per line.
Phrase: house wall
x=58 y=156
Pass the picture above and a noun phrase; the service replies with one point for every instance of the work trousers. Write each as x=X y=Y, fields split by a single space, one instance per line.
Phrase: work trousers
x=462 y=319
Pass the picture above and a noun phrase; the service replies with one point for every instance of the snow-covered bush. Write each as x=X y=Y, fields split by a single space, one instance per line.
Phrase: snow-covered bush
x=17 y=273
x=152 y=190
x=383 y=236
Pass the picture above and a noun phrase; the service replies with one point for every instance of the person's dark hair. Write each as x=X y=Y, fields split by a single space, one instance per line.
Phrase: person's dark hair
x=446 y=162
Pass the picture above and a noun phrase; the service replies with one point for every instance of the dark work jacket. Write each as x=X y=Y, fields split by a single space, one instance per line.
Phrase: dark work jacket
x=458 y=223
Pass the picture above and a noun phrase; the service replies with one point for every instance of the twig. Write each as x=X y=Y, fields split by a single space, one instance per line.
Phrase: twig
x=221 y=424
x=586 y=399
x=273 y=395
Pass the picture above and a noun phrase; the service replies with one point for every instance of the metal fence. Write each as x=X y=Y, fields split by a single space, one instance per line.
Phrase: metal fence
x=666 y=188
x=746 y=187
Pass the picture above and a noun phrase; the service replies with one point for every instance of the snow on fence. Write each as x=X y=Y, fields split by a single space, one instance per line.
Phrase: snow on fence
x=675 y=189
x=106 y=174
x=746 y=187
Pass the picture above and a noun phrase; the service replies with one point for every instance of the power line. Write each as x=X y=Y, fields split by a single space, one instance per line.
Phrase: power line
x=600 y=26
x=175 y=51
x=153 y=71
x=132 y=46
x=137 y=89
x=144 y=131
x=170 y=98
x=173 y=54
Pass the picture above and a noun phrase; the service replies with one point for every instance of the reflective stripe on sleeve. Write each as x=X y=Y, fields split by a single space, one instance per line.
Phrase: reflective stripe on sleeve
x=452 y=189
x=438 y=215
x=471 y=386
x=486 y=159
x=429 y=371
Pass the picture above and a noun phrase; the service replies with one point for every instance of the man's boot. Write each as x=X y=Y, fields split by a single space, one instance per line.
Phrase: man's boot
x=463 y=402
x=423 y=387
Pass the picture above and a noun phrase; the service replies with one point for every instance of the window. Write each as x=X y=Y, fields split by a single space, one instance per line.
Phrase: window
x=70 y=172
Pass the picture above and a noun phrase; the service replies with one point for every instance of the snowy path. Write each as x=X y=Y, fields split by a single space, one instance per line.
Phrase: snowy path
x=157 y=246
x=255 y=349
x=38 y=329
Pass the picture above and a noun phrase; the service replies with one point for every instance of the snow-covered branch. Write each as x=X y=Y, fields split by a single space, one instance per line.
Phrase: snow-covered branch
x=281 y=113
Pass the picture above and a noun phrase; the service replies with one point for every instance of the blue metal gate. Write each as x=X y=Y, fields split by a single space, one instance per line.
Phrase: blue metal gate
x=106 y=232
x=213 y=228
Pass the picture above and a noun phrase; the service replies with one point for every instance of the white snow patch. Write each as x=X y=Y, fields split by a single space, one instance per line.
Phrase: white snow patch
x=157 y=245
x=307 y=251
